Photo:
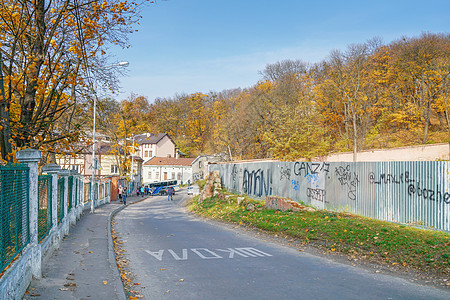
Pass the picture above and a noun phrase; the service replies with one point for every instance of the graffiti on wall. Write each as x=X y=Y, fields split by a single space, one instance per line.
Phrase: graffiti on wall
x=234 y=173
x=433 y=195
x=386 y=178
x=295 y=185
x=197 y=176
x=348 y=179
x=305 y=168
x=316 y=194
x=311 y=171
x=258 y=183
x=285 y=173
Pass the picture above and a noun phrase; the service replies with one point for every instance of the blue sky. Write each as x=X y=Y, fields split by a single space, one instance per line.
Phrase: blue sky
x=187 y=46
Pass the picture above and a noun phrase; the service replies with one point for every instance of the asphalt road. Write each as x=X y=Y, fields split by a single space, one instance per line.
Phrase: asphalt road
x=177 y=256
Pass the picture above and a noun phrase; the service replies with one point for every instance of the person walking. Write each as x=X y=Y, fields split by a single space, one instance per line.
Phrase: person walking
x=170 y=193
x=120 y=193
x=142 y=191
x=124 y=196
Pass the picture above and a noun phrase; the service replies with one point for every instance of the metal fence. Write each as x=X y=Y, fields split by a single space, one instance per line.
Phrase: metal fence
x=45 y=205
x=415 y=192
x=35 y=209
x=14 y=211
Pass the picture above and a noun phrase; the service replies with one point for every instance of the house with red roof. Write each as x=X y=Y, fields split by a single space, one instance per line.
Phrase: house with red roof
x=159 y=169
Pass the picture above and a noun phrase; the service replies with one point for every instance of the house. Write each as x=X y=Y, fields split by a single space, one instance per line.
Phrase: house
x=155 y=145
x=200 y=164
x=159 y=169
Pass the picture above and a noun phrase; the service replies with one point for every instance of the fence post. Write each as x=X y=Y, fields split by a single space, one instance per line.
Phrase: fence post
x=32 y=157
x=53 y=169
x=65 y=174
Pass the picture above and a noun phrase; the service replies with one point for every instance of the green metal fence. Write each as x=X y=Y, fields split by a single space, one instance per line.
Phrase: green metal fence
x=60 y=206
x=45 y=205
x=14 y=211
x=70 y=197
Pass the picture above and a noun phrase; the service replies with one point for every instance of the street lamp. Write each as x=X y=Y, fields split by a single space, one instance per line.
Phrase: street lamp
x=94 y=161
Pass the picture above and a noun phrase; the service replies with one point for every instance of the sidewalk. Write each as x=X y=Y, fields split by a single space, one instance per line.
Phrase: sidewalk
x=84 y=267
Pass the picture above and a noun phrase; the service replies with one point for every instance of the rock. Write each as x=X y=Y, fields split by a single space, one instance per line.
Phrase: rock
x=240 y=200
x=283 y=204
x=250 y=207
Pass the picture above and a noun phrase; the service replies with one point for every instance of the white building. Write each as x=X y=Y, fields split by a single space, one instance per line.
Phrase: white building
x=160 y=169
x=151 y=145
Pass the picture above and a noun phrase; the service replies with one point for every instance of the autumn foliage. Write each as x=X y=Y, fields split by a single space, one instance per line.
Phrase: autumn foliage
x=367 y=96
x=49 y=53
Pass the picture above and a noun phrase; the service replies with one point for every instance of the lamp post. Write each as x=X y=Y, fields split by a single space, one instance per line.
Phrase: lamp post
x=94 y=161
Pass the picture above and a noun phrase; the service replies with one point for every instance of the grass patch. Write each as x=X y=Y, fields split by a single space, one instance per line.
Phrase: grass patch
x=358 y=237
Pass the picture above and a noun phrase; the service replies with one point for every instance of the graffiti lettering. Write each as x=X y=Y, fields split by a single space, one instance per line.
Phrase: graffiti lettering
x=345 y=177
x=310 y=168
x=254 y=183
x=295 y=185
x=197 y=176
x=234 y=173
x=389 y=178
x=285 y=173
x=316 y=194
x=433 y=195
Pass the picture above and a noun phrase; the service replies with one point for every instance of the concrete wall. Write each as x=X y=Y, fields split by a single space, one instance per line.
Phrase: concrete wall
x=404 y=192
x=414 y=153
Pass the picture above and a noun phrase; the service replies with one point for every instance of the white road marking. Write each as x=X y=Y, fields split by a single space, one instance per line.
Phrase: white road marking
x=184 y=253
x=197 y=251
x=232 y=252
x=205 y=253
x=252 y=252
x=157 y=255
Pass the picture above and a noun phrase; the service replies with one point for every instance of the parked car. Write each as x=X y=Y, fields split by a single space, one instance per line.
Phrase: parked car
x=192 y=190
x=163 y=191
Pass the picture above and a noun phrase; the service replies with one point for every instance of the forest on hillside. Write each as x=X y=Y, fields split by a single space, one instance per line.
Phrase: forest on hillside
x=367 y=96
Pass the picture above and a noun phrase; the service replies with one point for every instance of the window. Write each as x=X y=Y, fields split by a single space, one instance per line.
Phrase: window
x=149 y=174
x=114 y=169
x=179 y=176
x=146 y=153
x=150 y=153
x=173 y=175
x=157 y=175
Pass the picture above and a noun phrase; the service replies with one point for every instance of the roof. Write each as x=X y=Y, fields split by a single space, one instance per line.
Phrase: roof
x=169 y=161
x=150 y=138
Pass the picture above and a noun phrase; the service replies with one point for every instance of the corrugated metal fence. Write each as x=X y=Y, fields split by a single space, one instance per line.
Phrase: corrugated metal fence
x=415 y=192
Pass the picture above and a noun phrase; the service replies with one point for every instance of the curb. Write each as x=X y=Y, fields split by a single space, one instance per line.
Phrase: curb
x=112 y=254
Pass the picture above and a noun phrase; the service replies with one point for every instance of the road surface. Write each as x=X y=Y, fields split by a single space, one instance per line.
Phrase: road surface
x=177 y=256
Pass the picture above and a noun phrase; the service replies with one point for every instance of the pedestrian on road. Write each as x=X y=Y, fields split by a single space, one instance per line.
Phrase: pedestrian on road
x=170 y=193
x=142 y=191
x=124 y=196
x=120 y=193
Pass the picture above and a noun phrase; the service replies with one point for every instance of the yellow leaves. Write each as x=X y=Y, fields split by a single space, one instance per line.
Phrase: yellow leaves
x=105 y=282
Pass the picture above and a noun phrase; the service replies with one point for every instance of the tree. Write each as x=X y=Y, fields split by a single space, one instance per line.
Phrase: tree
x=48 y=51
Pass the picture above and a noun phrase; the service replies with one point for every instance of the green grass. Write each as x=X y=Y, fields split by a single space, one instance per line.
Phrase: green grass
x=358 y=237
